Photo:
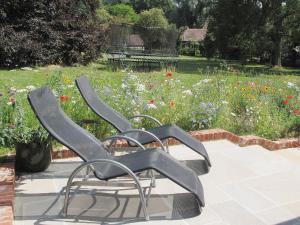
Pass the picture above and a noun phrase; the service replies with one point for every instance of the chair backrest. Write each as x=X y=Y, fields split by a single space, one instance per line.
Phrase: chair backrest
x=117 y=120
x=61 y=127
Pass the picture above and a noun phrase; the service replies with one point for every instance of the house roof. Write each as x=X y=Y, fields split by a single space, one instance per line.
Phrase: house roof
x=194 y=34
x=135 y=40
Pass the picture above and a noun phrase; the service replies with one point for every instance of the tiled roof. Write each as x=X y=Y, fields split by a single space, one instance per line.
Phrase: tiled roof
x=194 y=34
x=135 y=40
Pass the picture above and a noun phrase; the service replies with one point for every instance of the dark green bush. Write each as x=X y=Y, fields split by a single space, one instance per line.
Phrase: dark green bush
x=49 y=32
x=190 y=49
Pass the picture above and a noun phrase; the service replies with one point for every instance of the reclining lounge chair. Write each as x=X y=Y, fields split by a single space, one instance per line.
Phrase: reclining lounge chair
x=102 y=164
x=124 y=126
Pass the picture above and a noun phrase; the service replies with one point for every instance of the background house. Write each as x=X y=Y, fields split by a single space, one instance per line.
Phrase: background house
x=191 y=41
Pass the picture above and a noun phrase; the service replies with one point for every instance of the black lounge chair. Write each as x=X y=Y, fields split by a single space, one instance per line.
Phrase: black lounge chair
x=123 y=125
x=102 y=164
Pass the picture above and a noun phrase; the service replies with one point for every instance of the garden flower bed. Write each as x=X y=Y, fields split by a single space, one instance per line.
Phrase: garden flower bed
x=242 y=103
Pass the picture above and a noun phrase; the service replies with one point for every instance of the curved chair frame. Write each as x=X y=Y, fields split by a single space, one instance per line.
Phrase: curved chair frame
x=108 y=161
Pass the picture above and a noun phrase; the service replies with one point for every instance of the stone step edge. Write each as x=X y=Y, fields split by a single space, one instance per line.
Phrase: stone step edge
x=210 y=135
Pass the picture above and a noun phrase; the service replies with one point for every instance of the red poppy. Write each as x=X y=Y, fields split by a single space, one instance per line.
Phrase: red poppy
x=172 y=103
x=64 y=98
x=169 y=74
x=296 y=111
x=285 y=102
x=152 y=101
x=290 y=97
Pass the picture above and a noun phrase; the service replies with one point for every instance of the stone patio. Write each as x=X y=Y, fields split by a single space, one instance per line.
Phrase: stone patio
x=246 y=186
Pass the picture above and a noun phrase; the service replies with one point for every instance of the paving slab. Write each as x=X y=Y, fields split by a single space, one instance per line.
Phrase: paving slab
x=247 y=186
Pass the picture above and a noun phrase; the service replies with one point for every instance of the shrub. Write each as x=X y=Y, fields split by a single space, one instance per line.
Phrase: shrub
x=49 y=32
x=122 y=13
x=155 y=30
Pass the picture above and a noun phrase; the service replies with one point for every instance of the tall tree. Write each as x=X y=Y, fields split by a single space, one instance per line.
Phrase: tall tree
x=192 y=13
x=279 y=21
x=232 y=27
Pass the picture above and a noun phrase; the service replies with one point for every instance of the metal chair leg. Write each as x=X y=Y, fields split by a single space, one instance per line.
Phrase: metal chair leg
x=121 y=166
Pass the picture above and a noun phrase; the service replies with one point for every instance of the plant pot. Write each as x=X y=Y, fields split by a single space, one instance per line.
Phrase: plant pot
x=33 y=157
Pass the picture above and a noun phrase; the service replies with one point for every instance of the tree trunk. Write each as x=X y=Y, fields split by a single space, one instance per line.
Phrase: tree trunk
x=276 y=57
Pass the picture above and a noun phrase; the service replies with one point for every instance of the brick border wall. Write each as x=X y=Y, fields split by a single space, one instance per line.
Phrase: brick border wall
x=7 y=192
x=210 y=135
x=7 y=170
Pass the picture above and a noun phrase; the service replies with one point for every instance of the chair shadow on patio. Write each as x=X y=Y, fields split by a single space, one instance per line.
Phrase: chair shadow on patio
x=94 y=207
x=91 y=205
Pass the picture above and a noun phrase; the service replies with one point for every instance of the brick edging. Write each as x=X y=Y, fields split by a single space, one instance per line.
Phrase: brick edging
x=7 y=193
x=210 y=135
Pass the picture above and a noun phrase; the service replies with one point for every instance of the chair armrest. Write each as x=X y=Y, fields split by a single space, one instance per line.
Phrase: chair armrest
x=121 y=137
x=145 y=132
x=156 y=121
x=147 y=117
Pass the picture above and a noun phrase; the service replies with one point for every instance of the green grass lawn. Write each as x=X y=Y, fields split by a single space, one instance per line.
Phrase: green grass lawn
x=189 y=69
x=227 y=81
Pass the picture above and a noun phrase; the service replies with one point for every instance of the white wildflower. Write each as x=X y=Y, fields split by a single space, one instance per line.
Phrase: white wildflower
x=21 y=90
x=123 y=85
x=141 y=87
x=30 y=87
x=106 y=91
x=225 y=102
x=187 y=92
x=12 y=89
x=290 y=84
x=150 y=106
x=55 y=93
x=26 y=68
x=206 y=80
x=162 y=103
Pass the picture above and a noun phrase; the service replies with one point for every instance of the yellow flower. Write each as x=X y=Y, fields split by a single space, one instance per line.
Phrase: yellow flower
x=67 y=80
x=266 y=88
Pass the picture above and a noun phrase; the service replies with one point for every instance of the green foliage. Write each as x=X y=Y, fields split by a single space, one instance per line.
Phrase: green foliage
x=192 y=13
x=267 y=30
x=103 y=16
x=190 y=49
x=48 y=32
x=155 y=30
x=167 y=6
x=17 y=122
x=122 y=13
x=153 y=18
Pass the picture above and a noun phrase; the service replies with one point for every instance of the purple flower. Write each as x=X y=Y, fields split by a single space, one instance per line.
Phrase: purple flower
x=11 y=126
x=1 y=94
